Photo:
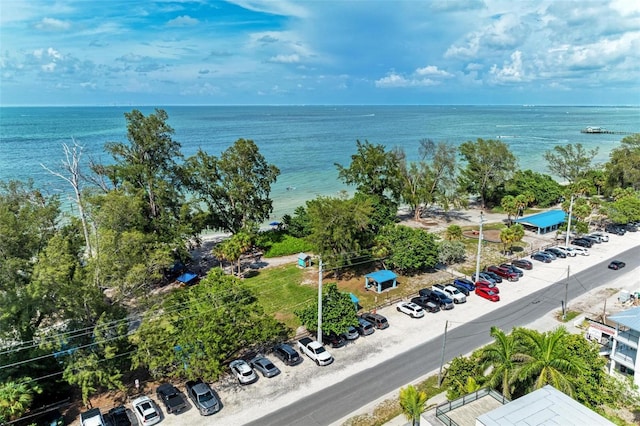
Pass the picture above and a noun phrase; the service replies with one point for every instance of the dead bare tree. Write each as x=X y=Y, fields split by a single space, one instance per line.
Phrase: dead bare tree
x=73 y=175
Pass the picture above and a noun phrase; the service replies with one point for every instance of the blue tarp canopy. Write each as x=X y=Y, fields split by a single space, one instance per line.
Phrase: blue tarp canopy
x=376 y=279
x=187 y=277
x=545 y=221
x=354 y=298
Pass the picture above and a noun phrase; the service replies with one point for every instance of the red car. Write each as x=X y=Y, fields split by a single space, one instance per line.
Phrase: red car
x=488 y=294
x=487 y=286
x=503 y=272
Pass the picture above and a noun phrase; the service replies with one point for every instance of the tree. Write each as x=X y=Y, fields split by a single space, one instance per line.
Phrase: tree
x=338 y=311
x=544 y=360
x=339 y=227
x=195 y=331
x=623 y=168
x=148 y=164
x=502 y=355
x=235 y=187
x=570 y=162
x=409 y=249
x=233 y=248
x=413 y=403
x=625 y=207
x=489 y=165
x=459 y=370
x=507 y=237
x=374 y=171
x=510 y=206
x=451 y=252
x=518 y=232
x=453 y=233
x=15 y=398
x=539 y=188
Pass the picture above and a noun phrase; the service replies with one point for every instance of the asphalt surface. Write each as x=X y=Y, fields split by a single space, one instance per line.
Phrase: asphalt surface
x=341 y=399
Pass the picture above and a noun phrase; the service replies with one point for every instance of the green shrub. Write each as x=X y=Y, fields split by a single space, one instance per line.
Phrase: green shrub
x=287 y=245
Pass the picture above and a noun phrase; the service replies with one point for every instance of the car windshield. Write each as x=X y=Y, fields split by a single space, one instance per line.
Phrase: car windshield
x=150 y=416
x=247 y=373
x=205 y=397
x=269 y=366
x=320 y=350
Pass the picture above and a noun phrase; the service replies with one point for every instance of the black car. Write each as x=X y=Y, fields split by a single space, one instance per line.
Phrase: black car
x=582 y=242
x=287 y=354
x=541 y=257
x=495 y=277
x=631 y=227
x=615 y=229
x=171 y=398
x=556 y=252
x=426 y=304
x=522 y=263
x=616 y=264
x=519 y=272
x=333 y=339
x=117 y=416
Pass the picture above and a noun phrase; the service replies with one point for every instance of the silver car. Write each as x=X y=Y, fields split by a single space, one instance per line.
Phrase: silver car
x=264 y=366
x=243 y=372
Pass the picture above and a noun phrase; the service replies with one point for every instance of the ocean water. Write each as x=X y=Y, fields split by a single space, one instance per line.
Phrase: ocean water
x=305 y=142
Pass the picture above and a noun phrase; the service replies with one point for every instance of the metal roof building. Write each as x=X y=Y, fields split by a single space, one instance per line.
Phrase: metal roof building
x=544 y=222
x=624 y=350
x=545 y=406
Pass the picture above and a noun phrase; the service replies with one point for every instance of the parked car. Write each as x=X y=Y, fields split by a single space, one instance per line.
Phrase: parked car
x=617 y=264
x=426 y=304
x=462 y=289
x=118 y=416
x=497 y=278
x=583 y=251
x=452 y=293
x=568 y=251
x=522 y=263
x=314 y=350
x=146 y=411
x=519 y=272
x=556 y=252
x=615 y=229
x=411 y=309
x=463 y=282
x=548 y=253
x=503 y=273
x=351 y=333
x=334 y=340
x=379 y=321
x=171 y=398
x=364 y=327
x=92 y=417
x=603 y=237
x=264 y=366
x=203 y=397
x=582 y=242
x=593 y=240
x=541 y=257
x=487 y=285
x=488 y=294
x=287 y=354
x=483 y=276
x=243 y=372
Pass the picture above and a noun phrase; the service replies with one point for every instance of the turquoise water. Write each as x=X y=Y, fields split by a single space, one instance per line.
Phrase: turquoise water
x=304 y=141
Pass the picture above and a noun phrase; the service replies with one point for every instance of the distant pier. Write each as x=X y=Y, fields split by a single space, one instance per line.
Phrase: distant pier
x=601 y=130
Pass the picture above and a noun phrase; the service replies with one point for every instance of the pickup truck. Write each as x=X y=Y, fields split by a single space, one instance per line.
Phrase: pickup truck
x=315 y=351
x=203 y=397
x=451 y=292
x=92 y=417
x=171 y=398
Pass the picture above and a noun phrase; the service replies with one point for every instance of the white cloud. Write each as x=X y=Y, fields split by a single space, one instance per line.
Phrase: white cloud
x=183 y=21
x=394 y=80
x=51 y=24
x=433 y=71
x=285 y=59
x=512 y=72
x=53 y=53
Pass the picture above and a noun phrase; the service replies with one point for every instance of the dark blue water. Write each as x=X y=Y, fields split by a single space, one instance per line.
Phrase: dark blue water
x=304 y=141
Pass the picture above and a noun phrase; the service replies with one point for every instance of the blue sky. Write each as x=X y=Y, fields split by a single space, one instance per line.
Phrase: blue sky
x=113 y=52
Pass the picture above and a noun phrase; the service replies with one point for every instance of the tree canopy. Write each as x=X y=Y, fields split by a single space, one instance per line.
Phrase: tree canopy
x=338 y=311
x=570 y=161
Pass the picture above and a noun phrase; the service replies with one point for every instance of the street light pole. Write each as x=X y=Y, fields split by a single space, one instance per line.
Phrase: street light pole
x=320 y=301
x=566 y=242
x=479 y=249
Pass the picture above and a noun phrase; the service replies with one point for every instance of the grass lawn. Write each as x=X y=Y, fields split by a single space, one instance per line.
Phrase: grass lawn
x=280 y=291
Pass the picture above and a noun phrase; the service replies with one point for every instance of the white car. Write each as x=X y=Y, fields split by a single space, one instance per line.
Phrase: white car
x=243 y=372
x=581 y=250
x=411 y=309
x=602 y=236
x=568 y=251
x=146 y=411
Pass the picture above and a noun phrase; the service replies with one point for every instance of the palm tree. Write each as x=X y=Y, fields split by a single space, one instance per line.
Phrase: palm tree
x=544 y=360
x=507 y=236
x=15 y=398
x=413 y=403
x=453 y=233
x=502 y=356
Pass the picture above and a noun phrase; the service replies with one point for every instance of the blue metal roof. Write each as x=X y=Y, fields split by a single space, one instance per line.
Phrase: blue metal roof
x=187 y=277
x=544 y=219
x=629 y=318
x=382 y=276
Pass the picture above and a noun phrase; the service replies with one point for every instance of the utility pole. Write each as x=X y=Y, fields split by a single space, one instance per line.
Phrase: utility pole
x=479 y=249
x=320 y=301
x=566 y=240
x=566 y=294
x=444 y=342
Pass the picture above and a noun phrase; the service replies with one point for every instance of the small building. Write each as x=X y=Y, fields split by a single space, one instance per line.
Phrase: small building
x=304 y=260
x=545 y=406
x=624 y=349
x=544 y=222
x=380 y=280
x=188 y=278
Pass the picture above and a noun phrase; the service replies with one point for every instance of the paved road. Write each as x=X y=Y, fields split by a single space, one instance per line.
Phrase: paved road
x=337 y=401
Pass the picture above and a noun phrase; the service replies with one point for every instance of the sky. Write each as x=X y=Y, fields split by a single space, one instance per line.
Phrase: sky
x=319 y=52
